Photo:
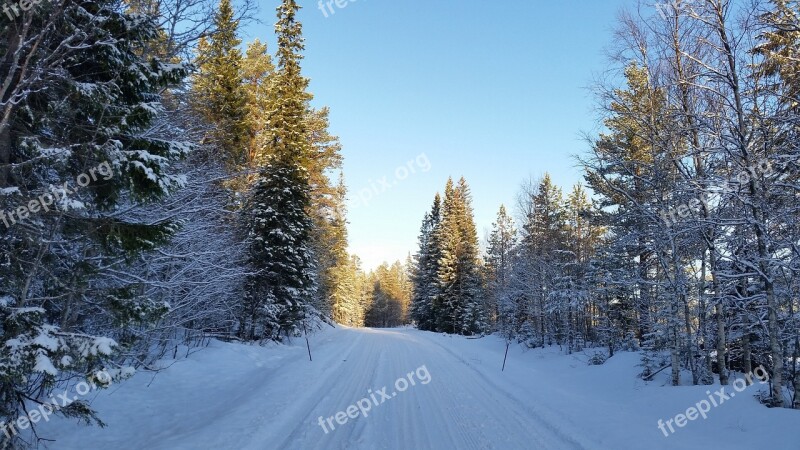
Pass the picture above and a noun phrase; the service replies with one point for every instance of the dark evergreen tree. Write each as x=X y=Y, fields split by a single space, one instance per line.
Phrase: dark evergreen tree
x=470 y=284
x=280 y=295
x=458 y=308
x=77 y=115
x=426 y=269
x=544 y=241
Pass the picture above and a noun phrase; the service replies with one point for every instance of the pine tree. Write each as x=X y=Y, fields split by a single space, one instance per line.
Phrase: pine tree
x=221 y=97
x=390 y=297
x=258 y=73
x=781 y=50
x=327 y=210
x=363 y=292
x=336 y=290
x=618 y=176
x=636 y=170
x=781 y=41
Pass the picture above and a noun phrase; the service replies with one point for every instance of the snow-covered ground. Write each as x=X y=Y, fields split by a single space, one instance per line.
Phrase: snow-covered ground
x=453 y=396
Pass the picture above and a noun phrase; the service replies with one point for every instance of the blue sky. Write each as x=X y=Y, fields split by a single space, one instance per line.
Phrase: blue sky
x=493 y=91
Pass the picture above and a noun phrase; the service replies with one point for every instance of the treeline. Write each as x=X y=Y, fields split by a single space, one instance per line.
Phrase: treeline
x=458 y=290
x=688 y=246
x=160 y=184
x=380 y=298
x=389 y=293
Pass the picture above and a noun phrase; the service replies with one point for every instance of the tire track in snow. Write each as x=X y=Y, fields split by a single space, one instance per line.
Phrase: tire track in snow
x=545 y=415
x=460 y=408
x=332 y=397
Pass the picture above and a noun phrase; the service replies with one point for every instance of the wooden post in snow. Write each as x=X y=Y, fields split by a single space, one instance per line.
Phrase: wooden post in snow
x=308 y=346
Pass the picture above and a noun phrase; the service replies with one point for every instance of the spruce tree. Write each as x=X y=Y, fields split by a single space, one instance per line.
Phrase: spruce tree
x=78 y=114
x=543 y=242
x=458 y=308
x=470 y=266
x=426 y=269
x=326 y=203
x=446 y=305
x=499 y=257
x=280 y=295
x=288 y=137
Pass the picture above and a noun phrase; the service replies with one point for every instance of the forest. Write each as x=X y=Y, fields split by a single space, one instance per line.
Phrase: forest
x=164 y=184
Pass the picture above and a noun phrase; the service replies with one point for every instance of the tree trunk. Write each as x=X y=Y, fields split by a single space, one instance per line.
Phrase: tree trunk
x=747 y=354
x=676 y=359
x=721 y=354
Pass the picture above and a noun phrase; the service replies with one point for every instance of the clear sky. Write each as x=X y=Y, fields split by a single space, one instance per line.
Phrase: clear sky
x=495 y=91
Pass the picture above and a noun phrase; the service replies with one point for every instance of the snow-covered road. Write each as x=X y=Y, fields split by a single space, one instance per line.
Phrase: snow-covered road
x=234 y=396
x=458 y=408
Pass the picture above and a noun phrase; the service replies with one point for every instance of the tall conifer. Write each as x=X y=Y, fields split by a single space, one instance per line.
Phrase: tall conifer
x=220 y=95
x=280 y=295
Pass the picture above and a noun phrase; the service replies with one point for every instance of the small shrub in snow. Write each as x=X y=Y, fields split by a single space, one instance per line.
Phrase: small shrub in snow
x=764 y=398
x=598 y=359
x=630 y=343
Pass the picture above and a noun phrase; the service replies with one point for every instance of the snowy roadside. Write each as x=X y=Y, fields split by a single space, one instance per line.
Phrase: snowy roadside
x=233 y=396
x=619 y=410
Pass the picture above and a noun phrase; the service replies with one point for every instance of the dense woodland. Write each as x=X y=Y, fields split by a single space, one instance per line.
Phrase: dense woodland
x=221 y=209
x=686 y=244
